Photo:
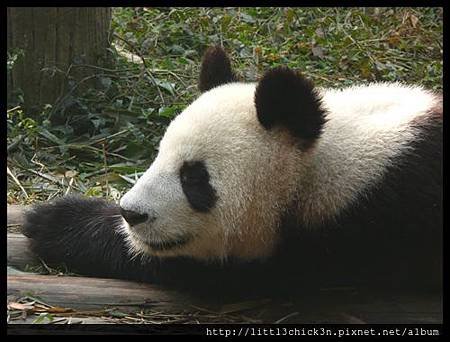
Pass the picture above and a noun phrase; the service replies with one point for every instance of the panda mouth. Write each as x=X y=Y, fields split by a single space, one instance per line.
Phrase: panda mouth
x=169 y=244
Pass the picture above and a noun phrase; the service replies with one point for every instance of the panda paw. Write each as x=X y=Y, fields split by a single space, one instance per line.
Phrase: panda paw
x=59 y=228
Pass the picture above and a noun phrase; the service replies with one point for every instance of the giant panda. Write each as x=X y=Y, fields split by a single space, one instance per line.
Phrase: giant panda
x=270 y=187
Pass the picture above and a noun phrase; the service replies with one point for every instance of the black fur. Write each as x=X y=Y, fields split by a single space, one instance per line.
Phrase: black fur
x=194 y=179
x=215 y=69
x=285 y=98
x=82 y=233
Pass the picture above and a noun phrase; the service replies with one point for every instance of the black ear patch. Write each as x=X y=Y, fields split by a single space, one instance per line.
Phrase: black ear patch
x=215 y=69
x=199 y=192
x=285 y=98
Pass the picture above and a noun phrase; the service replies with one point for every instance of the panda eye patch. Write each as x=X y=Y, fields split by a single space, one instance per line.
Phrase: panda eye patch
x=194 y=172
x=199 y=192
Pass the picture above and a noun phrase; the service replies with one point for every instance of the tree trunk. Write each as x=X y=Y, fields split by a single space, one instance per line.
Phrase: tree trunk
x=57 y=48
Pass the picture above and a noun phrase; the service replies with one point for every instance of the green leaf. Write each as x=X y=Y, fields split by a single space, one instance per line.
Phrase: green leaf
x=167 y=112
x=50 y=136
x=169 y=87
x=42 y=317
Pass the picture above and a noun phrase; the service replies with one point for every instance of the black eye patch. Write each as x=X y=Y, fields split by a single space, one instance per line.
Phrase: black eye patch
x=199 y=192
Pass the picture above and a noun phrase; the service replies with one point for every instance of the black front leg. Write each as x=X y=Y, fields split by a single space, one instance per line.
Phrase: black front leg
x=84 y=233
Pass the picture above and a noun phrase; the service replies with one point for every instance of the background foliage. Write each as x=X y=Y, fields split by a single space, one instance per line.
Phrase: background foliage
x=99 y=142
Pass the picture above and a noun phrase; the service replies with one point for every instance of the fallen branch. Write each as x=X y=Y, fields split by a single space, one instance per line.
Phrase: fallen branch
x=94 y=293
x=15 y=214
x=18 y=253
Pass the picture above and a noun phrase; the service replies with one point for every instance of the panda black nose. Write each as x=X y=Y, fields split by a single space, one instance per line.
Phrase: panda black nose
x=133 y=218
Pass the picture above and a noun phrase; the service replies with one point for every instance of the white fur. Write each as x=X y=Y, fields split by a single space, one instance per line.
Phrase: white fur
x=368 y=127
x=257 y=173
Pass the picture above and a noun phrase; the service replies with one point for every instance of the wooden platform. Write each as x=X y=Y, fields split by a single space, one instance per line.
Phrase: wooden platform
x=64 y=299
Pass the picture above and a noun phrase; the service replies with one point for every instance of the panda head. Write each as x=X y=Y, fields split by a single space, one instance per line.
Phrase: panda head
x=227 y=168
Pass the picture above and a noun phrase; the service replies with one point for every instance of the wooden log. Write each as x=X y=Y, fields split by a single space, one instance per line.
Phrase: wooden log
x=331 y=306
x=18 y=252
x=63 y=320
x=83 y=293
x=12 y=271
x=15 y=214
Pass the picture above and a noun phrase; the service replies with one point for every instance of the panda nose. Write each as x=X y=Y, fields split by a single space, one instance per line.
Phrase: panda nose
x=133 y=218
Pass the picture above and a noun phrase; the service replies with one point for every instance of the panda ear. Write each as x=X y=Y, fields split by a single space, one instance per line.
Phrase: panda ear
x=215 y=69
x=285 y=98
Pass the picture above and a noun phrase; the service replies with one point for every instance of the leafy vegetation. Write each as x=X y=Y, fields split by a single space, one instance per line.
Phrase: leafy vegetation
x=98 y=142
